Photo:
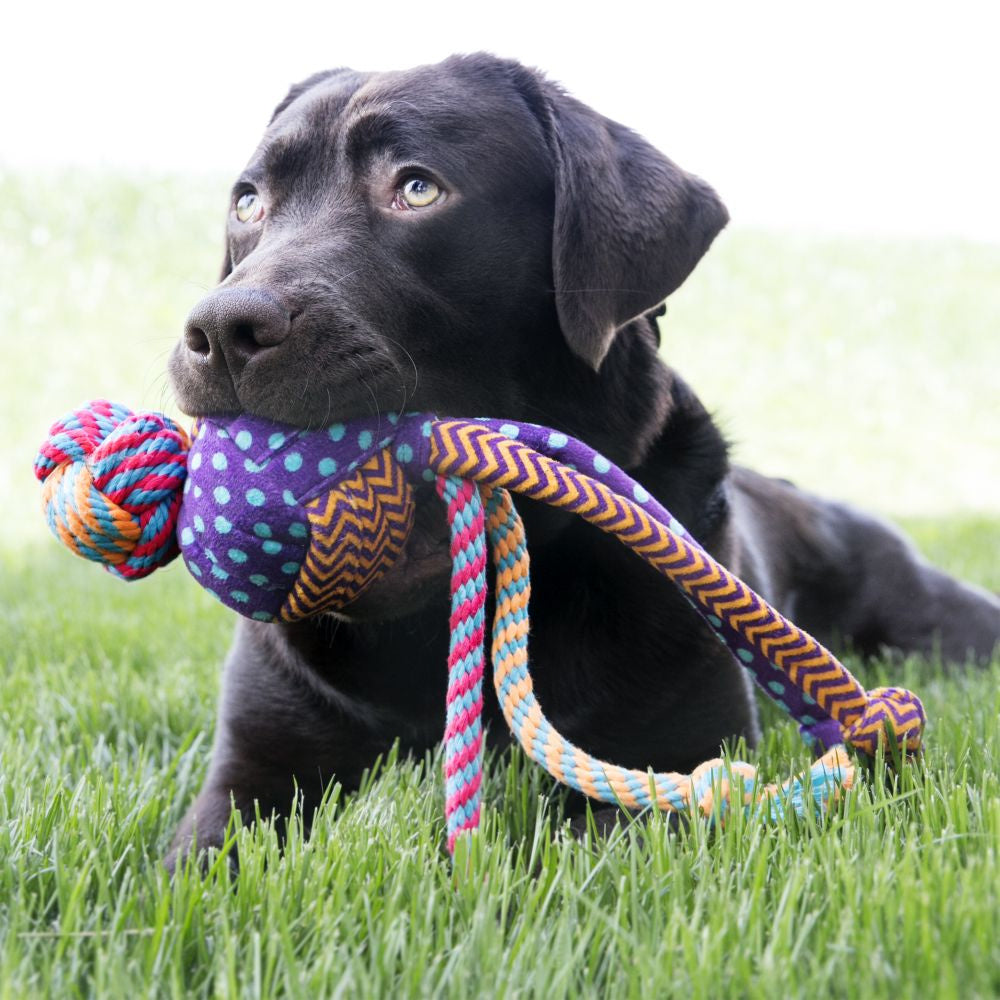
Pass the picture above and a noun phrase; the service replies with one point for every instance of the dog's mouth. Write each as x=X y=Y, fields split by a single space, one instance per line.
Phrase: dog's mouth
x=367 y=384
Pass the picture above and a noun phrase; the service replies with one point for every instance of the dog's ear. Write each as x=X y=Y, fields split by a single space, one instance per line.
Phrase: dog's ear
x=629 y=227
x=298 y=89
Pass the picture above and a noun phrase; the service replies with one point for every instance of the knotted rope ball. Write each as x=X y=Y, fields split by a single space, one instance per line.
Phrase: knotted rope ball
x=280 y=523
x=112 y=486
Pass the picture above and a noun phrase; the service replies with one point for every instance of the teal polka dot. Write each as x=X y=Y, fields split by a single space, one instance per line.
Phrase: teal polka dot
x=251 y=466
x=197 y=491
x=194 y=569
x=222 y=433
x=393 y=419
x=336 y=432
x=808 y=698
x=640 y=493
x=262 y=530
x=289 y=497
x=237 y=555
x=255 y=497
x=557 y=440
x=807 y=720
x=675 y=526
x=776 y=686
x=208 y=590
x=327 y=466
x=187 y=485
x=262 y=616
x=276 y=440
x=201 y=430
x=271 y=547
x=199 y=524
x=258 y=579
x=425 y=428
x=290 y=568
x=384 y=443
x=601 y=464
x=223 y=526
x=298 y=530
x=243 y=440
x=404 y=453
x=196 y=460
x=746 y=656
x=219 y=573
x=221 y=494
x=427 y=475
x=293 y=461
x=365 y=440
x=239 y=596
x=715 y=621
x=219 y=461
x=187 y=536
x=510 y=430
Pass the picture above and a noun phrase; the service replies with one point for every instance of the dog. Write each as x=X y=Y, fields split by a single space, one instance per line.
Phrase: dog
x=468 y=239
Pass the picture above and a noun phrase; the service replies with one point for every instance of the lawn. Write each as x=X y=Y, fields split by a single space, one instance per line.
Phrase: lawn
x=865 y=369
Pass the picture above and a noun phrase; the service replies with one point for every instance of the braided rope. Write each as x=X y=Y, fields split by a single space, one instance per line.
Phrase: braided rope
x=463 y=734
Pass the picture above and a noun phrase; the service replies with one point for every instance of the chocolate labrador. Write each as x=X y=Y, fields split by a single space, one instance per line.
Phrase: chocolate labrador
x=468 y=239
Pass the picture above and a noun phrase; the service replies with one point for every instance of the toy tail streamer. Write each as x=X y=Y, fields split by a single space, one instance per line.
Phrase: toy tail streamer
x=282 y=523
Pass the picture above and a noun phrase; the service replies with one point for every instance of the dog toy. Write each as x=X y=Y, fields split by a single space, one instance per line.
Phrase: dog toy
x=280 y=523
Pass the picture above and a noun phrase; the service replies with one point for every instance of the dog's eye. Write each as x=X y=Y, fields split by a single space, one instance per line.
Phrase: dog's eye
x=417 y=192
x=249 y=207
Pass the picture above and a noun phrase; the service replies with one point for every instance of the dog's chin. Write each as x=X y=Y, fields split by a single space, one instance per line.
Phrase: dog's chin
x=419 y=576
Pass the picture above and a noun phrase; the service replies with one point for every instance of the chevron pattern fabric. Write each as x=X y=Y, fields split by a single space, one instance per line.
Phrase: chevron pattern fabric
x=357 y=531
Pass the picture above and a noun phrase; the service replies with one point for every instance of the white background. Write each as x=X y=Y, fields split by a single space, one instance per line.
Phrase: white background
x=861 y=117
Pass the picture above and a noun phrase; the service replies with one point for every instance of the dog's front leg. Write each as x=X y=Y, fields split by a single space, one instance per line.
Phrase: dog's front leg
x=286 y=728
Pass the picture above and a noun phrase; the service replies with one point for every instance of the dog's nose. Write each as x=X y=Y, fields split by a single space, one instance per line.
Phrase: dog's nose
x=232 y=325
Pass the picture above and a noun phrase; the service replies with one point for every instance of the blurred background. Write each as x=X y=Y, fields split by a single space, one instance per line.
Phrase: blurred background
x=844 y=329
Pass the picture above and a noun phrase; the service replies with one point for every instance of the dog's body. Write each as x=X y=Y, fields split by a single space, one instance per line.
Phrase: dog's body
x=467 y=239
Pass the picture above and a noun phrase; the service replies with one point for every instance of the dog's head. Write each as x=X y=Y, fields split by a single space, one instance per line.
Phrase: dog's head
x=464 y=238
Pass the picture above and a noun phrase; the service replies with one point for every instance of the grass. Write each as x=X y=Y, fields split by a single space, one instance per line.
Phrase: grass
x=107 y=702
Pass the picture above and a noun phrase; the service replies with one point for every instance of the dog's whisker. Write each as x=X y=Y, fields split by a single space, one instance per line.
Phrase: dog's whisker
x=413 y=365
x=371 y=392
